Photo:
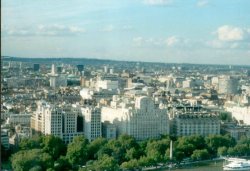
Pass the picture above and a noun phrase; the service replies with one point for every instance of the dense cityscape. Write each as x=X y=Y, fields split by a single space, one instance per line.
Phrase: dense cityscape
x=125 y=85
x=87 y=114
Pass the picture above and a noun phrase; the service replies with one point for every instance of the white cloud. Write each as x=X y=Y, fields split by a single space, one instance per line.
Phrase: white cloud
x=158 y=2
x=75 y=29
x=57 y=30
x=171 y=41
x=218 y=44
x=215 y=44
x=202 y=3
x=127 y=27
x=43 y=30
x=230 y=33
x=230 y=37
x=138 y=41
x=108 y=28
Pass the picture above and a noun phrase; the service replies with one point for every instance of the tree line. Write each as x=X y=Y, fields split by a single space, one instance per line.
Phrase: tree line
x=49 y=153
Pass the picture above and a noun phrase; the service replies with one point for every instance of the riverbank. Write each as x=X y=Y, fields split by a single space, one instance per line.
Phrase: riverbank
x=183 y=165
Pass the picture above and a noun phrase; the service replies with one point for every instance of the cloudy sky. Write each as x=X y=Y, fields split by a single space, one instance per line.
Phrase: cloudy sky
x=181 y=31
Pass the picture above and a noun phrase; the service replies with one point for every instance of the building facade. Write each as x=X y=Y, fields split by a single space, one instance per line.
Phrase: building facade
x=196 y=124
x=92 y=123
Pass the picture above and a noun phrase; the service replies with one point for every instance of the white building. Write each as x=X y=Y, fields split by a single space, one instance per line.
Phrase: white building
x=188 y=84
x=87 y=93
x=65 y=122
x=92 y=124
x=23 y=119
x=142 y=120
x=53 y=122
x=240 y=113
x=196 y=124
x=57 y=80
x=107 y=84
x=227 y=85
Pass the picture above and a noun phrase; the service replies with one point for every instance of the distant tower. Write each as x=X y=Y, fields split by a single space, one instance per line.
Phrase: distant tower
x=36 y=67
x=59 y=69
x=248 y=73
x=53 y=69
x=111 y=71
x=80 y=69
x=105 y=69
x=53 y=76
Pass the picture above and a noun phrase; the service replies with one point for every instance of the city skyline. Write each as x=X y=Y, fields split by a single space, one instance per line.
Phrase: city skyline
x=169 y=31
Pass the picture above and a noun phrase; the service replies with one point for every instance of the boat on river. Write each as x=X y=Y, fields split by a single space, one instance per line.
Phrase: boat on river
x=236 y=164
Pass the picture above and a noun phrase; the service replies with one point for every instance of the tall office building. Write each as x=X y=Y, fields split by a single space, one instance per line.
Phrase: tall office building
x=142 y=120
x=227 y=85
x=80 y=68
x=92 y=124
x=57 y=80
x=36 y=67
x=65 y=122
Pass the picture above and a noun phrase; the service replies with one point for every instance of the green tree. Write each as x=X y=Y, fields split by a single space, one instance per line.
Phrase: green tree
x=106 y=163
x=54 y=146
x=200 y=154
x=244 y=140
x=62 y=163
x=36 y=168
x=34 y=142
x=188 y=144
x=130 y=165
x=225 y=116
x=179 y=155
x=132 y=153
x=242 y=150
x=95 y=146
x=222 y=151
x=77 y=151
x=216 y=141
x=145 y=161
x=121 y=147
x=231 y=151
x=105 y=150
x=156 y=150
x=27 y=159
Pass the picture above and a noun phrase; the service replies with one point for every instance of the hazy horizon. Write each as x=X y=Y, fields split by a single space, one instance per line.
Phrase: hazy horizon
x=169 y=31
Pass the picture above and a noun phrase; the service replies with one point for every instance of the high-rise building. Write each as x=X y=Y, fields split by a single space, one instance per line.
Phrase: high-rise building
x=142 y=120
x=248 y=73
x=36 y=67
x=65 y=122
x=53 y=69
x=109 y=130
x=57 y=80
x=59 y=69
x=5 y=139
x=105 y=69
x=92 y=124
x=227 y=85
x=80 y=68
